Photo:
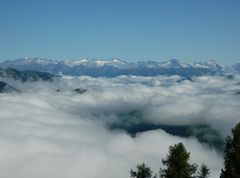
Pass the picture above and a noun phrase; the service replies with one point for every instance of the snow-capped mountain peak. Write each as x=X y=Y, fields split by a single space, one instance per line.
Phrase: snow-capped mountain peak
x=94 y=62
x=174 y=63
x=34 y=60
x=72 y=63
x=116 y=67
x=211 y=65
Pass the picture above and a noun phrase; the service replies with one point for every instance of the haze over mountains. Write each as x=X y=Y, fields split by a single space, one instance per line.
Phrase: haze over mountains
x=116 y=67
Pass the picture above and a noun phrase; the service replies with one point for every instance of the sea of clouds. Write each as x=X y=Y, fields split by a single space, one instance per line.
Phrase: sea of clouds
x=64 y=134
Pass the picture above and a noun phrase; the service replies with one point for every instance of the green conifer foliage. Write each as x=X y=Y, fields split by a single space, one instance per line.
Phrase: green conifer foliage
x=177 y=163
x=232 y=155
x=204 y=171
x=142 y=171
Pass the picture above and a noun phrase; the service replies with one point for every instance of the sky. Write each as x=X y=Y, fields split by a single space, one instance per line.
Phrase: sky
x=132 y=30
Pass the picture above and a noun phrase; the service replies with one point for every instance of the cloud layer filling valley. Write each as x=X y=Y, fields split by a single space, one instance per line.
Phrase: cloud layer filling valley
x=44 y=133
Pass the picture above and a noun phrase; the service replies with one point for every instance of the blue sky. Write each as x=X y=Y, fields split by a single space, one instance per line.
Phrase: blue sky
x=190 y=30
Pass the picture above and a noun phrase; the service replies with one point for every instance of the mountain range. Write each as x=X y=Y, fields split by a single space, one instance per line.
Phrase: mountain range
x=116 y=67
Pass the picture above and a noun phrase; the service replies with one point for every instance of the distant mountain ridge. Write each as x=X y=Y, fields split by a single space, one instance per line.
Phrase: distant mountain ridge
x=6 y=88
x=23 y=76
x=27 y=75
x=116 y=67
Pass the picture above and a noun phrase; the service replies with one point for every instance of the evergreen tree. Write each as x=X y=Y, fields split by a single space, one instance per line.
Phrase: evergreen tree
x=177 y=165
x=204 y=171
x=232 y=155
x=142 y=171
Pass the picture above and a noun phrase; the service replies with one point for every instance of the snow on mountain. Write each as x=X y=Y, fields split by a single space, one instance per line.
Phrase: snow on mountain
x=76 y=62
x=116 y=67
x=24 y=61
x=94 y=63
x=174 y=63
x=212 y=65
x=114 y=62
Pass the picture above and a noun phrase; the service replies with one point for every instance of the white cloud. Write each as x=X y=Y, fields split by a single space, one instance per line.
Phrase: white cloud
x=44 y=133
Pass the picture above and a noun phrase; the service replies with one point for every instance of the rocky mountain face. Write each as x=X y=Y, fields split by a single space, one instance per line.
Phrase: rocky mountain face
x=25 y=75
x=6 y=88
